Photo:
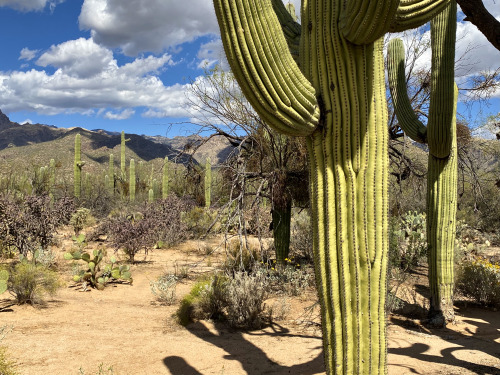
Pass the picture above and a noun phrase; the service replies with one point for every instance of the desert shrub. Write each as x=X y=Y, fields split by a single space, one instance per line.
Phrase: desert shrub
x=29 y=223
x=245 y=301
x=101 y=370
x=198 y=220
x=479 y=279
x=301 y=238
x=159 y=221
x=30 y=282
x=80 y=219
x=206 y=300
x=290 y=279
x=407 y=241
x=163 y=289
x=7 y=367
x=241 y=257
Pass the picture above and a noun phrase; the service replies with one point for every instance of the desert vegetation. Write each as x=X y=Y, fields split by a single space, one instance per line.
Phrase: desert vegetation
x=406 y=231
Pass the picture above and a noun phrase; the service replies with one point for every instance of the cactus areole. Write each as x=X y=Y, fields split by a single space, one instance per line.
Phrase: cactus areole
x=334 y=96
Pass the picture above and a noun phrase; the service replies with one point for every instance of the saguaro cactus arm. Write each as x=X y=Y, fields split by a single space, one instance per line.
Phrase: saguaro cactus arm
x=407 y=118
x=264 y=67
x=363 y=22
x=414 y=13
x=291 y=29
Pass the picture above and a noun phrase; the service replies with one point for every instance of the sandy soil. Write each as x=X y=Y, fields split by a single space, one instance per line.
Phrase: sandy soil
x=123 y=327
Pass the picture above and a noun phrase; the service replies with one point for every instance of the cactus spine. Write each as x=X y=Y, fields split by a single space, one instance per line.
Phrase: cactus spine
x=440 y=134
x=164 y=186
x=132 y=180
x=77 y=167
x=208 y=182
x=337 y=100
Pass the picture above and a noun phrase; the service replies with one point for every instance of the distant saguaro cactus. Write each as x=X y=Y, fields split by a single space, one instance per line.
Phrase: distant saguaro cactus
x=77 y=166
x=208 y=183
x=122 y=153
x=164 y=186
x=132 y=180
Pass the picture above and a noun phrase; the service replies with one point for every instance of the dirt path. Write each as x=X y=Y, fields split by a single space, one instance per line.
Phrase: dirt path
x=123 y=327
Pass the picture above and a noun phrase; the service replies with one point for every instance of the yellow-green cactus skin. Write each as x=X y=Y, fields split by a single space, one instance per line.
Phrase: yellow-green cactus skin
x=332 y=91
x=440 y=135
x=77 y=167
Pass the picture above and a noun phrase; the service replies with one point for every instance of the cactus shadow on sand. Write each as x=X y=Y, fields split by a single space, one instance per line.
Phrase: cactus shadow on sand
x=477 y=329
x=253 y=359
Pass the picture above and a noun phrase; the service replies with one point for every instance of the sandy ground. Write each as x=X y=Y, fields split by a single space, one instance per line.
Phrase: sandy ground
x=123 y=327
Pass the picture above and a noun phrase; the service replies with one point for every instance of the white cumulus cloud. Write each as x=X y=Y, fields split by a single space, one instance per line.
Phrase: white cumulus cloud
x=27 y=54
x=88 y=79
x=30 y=5
x=147 y=25
x=123 y=115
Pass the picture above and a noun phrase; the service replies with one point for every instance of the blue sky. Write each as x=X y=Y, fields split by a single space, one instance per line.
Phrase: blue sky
x=126 y=65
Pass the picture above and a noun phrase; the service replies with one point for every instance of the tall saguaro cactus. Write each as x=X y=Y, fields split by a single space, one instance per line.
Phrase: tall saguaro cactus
x=132 y=180
x=208 y=183
x=164 y=183
x=77 y=166
x=336 y=98
x=440 y=134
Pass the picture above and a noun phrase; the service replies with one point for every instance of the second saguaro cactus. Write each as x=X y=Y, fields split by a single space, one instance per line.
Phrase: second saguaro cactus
x=440 y=135
x=336 y=98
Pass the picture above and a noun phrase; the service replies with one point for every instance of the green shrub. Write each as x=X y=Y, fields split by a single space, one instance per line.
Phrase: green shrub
x=479 y=279
x=7 y=367
x=240 y=257
x=289 y=279
x=30 y=282
x=198 y=220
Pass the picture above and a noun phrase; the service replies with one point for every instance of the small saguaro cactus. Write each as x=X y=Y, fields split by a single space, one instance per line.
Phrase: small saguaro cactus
x=122 y=153
x=77 y=166
x=440 y=135
x=151 y=195
x=164 y=185
x=132 y=180
x=208 y=183
x=324 y=80
x=111 y=175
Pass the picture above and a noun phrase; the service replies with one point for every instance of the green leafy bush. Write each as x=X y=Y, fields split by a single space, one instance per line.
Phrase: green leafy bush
x=479 y=279
x=30 y=282
x=198 y=220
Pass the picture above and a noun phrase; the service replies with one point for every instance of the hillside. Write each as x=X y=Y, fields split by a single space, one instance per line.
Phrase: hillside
x=35 y=144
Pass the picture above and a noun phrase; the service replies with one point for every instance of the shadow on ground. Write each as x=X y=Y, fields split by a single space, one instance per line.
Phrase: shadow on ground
x=253 y=360
x=484 y=338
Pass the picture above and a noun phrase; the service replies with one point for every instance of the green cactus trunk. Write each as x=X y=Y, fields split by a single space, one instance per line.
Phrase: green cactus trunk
x=440 y=134
x=111 y=174
x=208 y=183
x=164 y=186
x=442 y=168
x=132 y=181
x=337 y=100
x=77 y=167
x=281 y=232
x=123 y=165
